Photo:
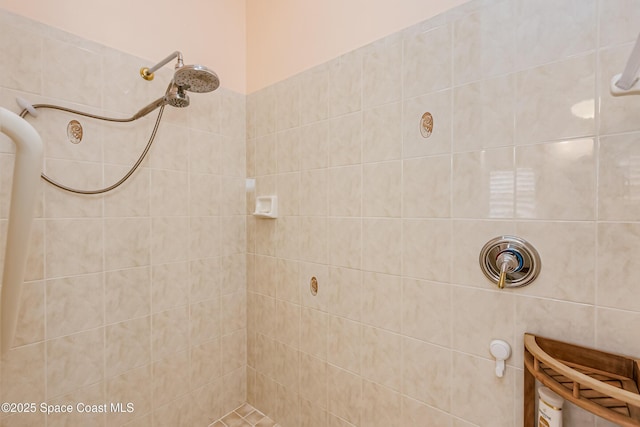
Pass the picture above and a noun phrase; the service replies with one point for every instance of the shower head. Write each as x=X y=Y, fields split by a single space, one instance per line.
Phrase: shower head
x=174 y=96
x=196 y=78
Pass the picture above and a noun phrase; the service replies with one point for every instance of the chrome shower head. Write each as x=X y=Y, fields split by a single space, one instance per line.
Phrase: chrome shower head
x=176 y=97
x=196 y=78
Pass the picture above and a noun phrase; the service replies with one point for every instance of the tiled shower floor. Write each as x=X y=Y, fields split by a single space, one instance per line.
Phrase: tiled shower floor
x=245 y=416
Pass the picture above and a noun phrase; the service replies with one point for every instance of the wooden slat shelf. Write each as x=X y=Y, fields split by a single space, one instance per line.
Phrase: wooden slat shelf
x=605 y=384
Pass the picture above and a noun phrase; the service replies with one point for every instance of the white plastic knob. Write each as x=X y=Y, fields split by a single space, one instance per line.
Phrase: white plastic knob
x=501 y=350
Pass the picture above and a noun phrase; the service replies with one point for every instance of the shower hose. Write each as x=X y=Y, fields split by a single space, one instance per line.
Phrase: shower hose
x=109 y=119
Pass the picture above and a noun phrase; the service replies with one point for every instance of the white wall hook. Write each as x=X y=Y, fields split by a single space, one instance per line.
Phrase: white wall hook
x=501 y=350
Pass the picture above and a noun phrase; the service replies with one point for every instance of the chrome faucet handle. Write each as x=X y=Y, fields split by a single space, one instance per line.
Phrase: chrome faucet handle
x=509 y=262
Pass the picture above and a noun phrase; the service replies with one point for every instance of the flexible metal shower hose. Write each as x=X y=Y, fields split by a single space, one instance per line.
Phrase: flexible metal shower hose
x=109 y=119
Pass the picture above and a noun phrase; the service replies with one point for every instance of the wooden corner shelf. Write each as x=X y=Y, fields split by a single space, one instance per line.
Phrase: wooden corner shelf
x=602 y=383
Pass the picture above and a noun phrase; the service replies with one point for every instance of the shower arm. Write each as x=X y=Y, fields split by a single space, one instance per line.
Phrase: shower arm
x=147 y=73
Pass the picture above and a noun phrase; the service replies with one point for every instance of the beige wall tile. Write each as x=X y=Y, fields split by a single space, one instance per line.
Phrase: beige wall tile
x=415 y=413
x=426 y=187
x=313 y=200
x=204 y=194
x=126 y=242
x=167 y=195
x=287 y=366
x=63 y=82
x=345 y=242
x=426 y=373
x=540 y=26
x=617 y=331
x=127 y=346
x=170 y=378
x=314 y=329
x=169 y=332
x=380 y=406
x=234 y=351
x=73 y=247
x=134 y=387
x=559 y=320
x=382 y=72
x=427 y=249
x=169 y=239
x=287 y=329
x=345 y=289
x=344 y=394
x=75 y=174
x=618 y=21
x=311 y=415
x=24 y=374
x=288 y=194
x=345 y=79
x=345 y=191
x=314 y=146
x=344 y=346
x=314 y=94
x=426 y=311
x=74 y=361
x=478 y=317
x=313 y=239
x=568 y=274
x=287 y=286
x=74 y=304
x=345 y=140
x=381 y=246
x=483 y=184
x=381 y=301
x=556 y=180
x=313 y=380
x=206 y=363
x=617 y=189
x=382 y=133
x=478 y=124
x=483 y=44
x=288 y=103
x=380 y=351
x=616 y=276
x=132 y=198
x=22 y=75
x=560 y=96
x=427 y=65
x=31 y=314
x=204 y=321
x=169 y=286
x=204 y=275
x=382 y=189
x=469 y=403
x=233 y=312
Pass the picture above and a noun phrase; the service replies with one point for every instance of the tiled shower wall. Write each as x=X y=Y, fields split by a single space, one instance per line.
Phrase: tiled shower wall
x=527 y=140
x=137 y=295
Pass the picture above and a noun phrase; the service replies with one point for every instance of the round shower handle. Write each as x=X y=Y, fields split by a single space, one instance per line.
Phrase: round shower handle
x=509 y=262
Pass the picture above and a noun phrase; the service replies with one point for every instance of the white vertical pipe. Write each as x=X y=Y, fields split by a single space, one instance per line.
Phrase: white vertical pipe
x=26 y=177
